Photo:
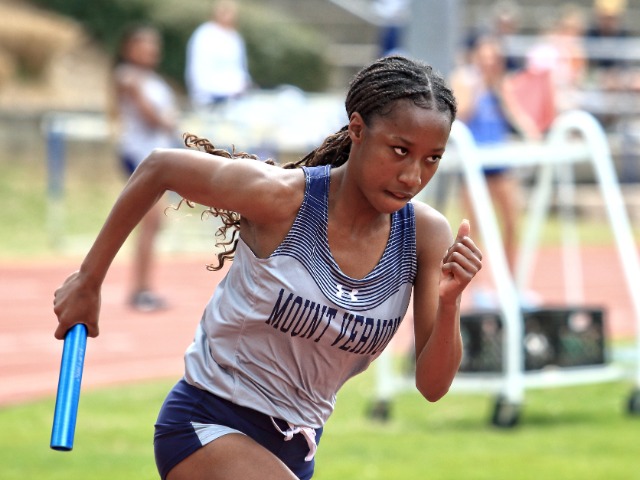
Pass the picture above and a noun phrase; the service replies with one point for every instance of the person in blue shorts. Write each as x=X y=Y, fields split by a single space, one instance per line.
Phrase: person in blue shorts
x=487 y=106
x=146 y=113
x=329 y=252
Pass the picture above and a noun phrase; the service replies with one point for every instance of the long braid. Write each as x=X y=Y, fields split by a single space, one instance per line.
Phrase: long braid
x=335 y=147
x=372 y=92
x=230 y=220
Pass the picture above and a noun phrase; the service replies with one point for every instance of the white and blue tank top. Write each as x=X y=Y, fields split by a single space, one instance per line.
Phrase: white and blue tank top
x=137 y=136
x=282 y=334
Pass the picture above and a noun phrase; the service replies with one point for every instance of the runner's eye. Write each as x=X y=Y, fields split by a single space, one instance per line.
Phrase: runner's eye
x=433 y=159
x=400 y=151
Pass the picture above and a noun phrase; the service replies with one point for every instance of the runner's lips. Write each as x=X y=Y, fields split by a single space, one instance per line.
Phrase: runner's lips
x=400 y=195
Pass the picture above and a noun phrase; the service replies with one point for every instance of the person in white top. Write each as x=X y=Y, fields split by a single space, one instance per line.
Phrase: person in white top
x=216 y=62
x=146 y=112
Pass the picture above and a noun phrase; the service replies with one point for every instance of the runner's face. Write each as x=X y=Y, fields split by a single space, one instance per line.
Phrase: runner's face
x=397 y=154
x=488 y=57
x=144 y=49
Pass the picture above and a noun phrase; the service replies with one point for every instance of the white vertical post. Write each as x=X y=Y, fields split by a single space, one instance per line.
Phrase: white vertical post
x=513 y=361
x=602 y=163
x=536 y=215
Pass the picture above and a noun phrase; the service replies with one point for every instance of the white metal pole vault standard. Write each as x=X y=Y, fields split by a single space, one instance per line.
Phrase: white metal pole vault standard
x=513 y=358
x=575 y=138
x=602 y=163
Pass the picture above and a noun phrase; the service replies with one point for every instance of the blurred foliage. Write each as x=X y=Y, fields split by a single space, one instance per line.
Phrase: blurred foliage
x=283 y=52
x=280 y=51
x=103 y=19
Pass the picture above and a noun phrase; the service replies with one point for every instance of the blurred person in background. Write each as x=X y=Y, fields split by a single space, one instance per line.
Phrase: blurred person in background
x=616 y=80
x=486 y=105
x=216 y=58
x=561 y=54
x=506 y=23
x=146 y=114
x=394 y=15
x=613 y=76
x=610 y=73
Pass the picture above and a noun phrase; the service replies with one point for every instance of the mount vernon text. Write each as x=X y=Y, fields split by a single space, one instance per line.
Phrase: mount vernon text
x=300 y=317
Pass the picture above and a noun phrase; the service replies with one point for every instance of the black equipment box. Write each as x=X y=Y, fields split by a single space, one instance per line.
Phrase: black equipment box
x=553 y=337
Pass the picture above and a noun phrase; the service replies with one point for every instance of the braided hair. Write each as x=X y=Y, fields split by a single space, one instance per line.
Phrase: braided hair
x=372 y=92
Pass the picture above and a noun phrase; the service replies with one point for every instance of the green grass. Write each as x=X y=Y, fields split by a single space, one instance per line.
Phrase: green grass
x=113 y=437
x=32 y=224
x=576 y=433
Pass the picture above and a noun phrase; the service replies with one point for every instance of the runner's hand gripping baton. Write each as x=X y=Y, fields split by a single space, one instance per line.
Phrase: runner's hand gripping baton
x=68 y=396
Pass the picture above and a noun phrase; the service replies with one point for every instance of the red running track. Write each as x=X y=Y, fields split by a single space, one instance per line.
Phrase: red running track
x=136 y=346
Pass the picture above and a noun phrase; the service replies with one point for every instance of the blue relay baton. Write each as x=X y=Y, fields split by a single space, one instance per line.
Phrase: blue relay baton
x=68 y=396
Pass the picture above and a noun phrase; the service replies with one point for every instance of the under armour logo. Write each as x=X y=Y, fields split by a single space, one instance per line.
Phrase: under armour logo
x=352 y=295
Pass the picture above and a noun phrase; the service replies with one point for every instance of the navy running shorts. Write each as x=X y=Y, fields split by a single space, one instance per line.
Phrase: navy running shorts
x=191 y=418
x=493 y=171
x=128 y=164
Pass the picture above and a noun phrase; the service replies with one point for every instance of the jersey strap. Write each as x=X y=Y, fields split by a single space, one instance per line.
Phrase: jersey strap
x=307 y=242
